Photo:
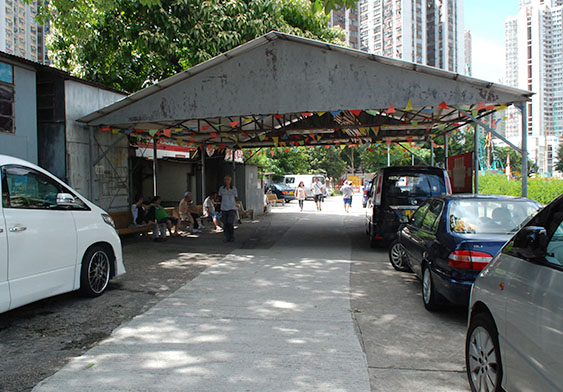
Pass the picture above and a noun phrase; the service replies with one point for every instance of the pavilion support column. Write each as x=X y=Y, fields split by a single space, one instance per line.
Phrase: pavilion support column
x=154 y=167
x=524 y=174
x=446 y=151
x=91 y=165
x=203 y=195
x=432 y=153
x=476 y=158
x=388 y=155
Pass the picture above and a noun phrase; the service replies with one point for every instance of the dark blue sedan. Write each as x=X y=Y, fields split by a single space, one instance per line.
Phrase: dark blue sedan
x=450 y=239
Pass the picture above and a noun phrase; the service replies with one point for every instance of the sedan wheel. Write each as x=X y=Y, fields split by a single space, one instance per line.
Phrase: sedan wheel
x=429 y=295
x=95 y=274
x=482 y=356
x=398 y=257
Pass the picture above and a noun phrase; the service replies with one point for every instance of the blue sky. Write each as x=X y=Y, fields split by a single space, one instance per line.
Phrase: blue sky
x=485 y=19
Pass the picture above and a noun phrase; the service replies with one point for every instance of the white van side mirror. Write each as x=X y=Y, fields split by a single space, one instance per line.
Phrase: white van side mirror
x=66 y=200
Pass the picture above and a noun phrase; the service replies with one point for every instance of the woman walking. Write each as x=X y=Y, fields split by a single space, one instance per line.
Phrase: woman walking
x=301 y=194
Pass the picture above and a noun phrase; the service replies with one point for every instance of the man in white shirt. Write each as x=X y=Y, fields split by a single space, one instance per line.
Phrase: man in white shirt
x=228 y=196
x=347 y=193
x=318 y=192
x=209 y=210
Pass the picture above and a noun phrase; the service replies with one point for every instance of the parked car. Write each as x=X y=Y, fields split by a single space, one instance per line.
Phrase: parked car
x=281 y=191
x=368 y=189
x=514 y=338
x=52 y=240
x=397 y=194
x=450 y=239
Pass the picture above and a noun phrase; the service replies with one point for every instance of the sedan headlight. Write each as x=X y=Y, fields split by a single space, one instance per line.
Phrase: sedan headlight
x=109 y=220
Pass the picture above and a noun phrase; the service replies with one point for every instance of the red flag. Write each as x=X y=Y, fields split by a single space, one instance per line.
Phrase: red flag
x=355 y=112
x=234 y=123
x=480 y=106
x=306 y=114
x=390 y=109
x=206 y=127
x=443 y=105
x=213 y=134
x=167 y=132
x=277 y=115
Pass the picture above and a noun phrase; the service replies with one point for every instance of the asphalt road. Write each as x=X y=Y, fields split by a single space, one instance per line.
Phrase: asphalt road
x=406 y=347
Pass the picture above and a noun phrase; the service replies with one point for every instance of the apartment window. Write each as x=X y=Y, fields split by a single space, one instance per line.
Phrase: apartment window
x=6 y=98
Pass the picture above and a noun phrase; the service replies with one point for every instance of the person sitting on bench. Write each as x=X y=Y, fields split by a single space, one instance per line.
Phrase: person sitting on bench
x=163 y=217
x=159 y=229
x=210 y=212
x=139 y=211
x=188 y=212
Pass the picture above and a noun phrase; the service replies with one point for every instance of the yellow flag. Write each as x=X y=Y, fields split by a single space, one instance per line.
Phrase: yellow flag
x=409 y=106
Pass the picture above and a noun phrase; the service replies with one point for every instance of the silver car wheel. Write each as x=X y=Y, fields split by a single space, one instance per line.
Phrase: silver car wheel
x=426 y=286
x=398 y=255
x=483 y=364
x=98 y=271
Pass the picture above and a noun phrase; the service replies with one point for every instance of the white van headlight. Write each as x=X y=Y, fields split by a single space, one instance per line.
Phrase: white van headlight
x=109 y=220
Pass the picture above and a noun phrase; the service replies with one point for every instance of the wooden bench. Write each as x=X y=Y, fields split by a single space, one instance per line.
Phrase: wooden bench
x=273 y=199
x=124 y=223
x=244 y=213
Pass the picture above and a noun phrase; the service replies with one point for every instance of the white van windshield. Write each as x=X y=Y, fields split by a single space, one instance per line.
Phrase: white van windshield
x=290 y=180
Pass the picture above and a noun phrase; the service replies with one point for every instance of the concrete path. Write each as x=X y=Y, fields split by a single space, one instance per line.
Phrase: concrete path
x=276 y=319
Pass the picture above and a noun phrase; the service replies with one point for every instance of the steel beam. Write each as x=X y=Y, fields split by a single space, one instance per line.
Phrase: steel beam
x=154 y=167
x=489 y=129
x=476 y=158
x=524 y=174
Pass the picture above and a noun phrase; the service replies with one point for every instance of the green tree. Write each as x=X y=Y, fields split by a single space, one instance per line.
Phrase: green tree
x=129 y=44
x=327 y=160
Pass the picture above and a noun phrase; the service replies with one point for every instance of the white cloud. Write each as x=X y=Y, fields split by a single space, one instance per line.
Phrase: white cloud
x=488 y=59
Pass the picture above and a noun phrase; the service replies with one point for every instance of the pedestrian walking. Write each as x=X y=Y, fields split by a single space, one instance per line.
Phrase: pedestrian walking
x=318 y=192
x=301 y=194
x=228 y=197
x=347 y=192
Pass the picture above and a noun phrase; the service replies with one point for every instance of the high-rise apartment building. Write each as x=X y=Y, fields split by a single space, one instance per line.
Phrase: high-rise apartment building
x=534 y=61
x=428 y=32
x=468 y=54
x=347 y=20
x=20 y=34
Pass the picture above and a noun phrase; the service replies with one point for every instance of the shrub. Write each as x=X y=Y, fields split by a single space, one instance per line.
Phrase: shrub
x=544 y=190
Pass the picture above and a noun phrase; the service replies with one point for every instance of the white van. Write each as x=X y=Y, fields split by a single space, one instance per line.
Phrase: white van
x=52 y=240
x=293 y=180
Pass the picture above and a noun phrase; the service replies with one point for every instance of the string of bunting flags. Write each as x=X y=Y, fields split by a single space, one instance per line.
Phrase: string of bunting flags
x=236 y=132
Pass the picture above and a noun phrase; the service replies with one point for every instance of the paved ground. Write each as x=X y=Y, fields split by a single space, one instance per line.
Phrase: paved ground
x=290 y=309
x=42 y=337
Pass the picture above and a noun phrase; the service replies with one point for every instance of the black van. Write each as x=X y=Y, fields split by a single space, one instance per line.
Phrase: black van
x=396 y=194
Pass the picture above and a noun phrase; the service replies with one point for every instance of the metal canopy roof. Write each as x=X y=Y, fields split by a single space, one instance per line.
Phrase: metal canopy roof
x=285 y=89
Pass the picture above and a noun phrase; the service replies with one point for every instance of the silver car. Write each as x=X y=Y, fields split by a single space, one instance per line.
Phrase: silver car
x=515 y=334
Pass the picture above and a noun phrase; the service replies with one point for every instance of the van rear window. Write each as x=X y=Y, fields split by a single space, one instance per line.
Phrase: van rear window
x=401 y=189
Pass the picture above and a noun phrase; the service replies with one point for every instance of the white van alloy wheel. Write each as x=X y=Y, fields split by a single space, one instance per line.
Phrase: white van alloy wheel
x=98 y=271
